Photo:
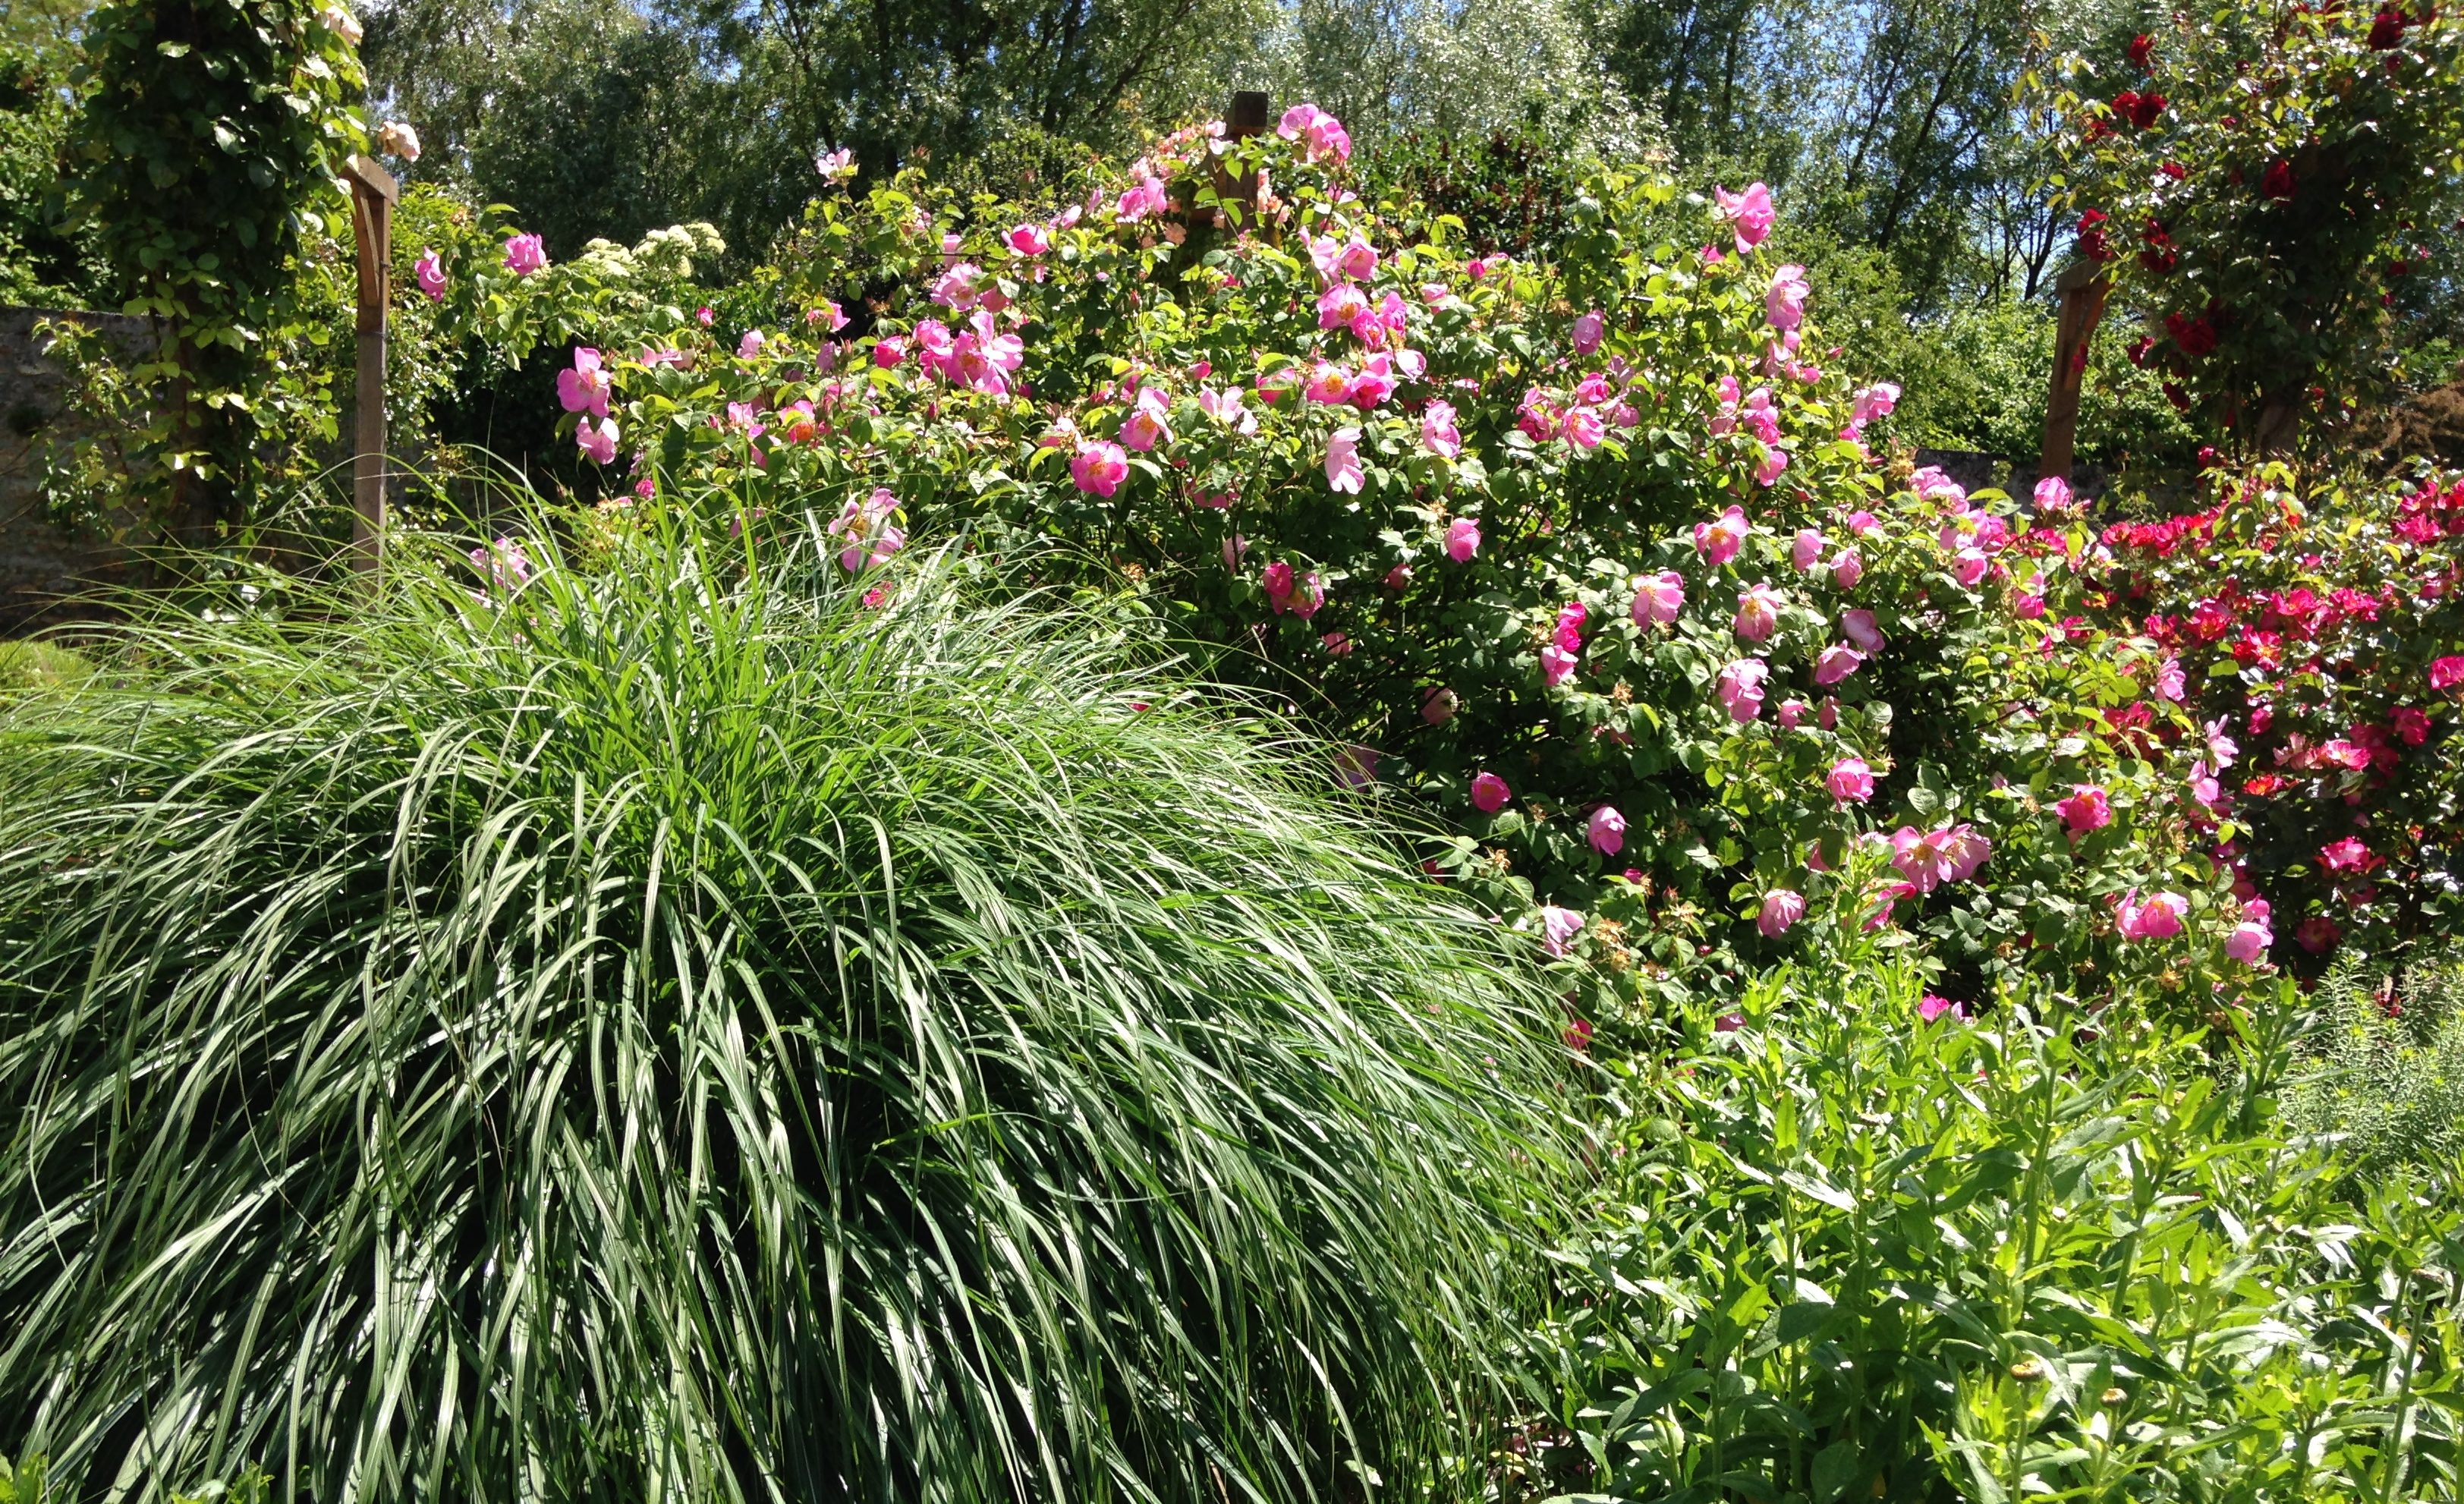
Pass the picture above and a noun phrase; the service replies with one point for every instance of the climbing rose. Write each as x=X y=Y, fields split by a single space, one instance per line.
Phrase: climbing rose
x=1437 y=706
x=1438 y=431
x=1847 y=567
x=2053 y=493
x=1099 y=467
x=1343 y=472
x=1587 y=330
x=1606 y=831
x=1659 y=598
x=1741 y=688
x=1719 y=541
x=1851 y=780
x=2087 y=808
x=835 y=166
x=1489 y=793
x=1784 y=304
x=1462 y=540
x=1782 y=907
x=1750 y=211
x=2446 y=672
x=1807 y=551
x=525 y=255
x=430 y=271
x=1029 y=240
x=1858 y=624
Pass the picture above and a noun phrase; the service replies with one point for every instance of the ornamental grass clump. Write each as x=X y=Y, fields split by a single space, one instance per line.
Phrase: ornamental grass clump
x=680 y=1027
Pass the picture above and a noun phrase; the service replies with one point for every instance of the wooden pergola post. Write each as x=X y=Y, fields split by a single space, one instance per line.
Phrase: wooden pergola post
x=2084 y=286
x=373 y=194
x=1247 y=118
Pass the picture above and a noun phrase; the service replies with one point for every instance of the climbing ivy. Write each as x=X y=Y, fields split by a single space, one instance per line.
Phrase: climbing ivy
x=207 y=153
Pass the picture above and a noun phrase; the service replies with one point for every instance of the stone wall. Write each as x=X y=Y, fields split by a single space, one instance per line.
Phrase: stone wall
x=42 y=567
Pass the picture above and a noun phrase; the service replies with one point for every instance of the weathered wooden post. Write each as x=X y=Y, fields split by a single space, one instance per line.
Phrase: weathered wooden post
x=373 y=193
x=2084 y=286
x=1247 y=118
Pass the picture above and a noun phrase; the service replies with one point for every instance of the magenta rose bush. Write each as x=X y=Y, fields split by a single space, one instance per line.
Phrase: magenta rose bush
x=2317 y=637
x=1588 y=559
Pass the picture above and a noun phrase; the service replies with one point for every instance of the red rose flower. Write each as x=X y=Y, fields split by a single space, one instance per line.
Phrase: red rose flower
x=2277 y=184
x=2141 y=49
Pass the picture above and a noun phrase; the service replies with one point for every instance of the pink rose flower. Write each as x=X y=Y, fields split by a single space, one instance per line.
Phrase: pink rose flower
x=1606 y=829
x=1850 y=780
x=1931 y=1008
x=1659 y=599
x=1489 y=793
x=1438 y=434
x=1807 y=551
x=1099 y=468
x=1847 y=567
x=1858 y=626
x=751 y=345
x=2254 y=937
x=1029 y=240
x=2087 y=808
x=1784 y=303
x=525 y=255
x=1462 y=540
x=2053 y=493
x=1149 y=421
x=1759 y=612
x=1437 y=706
x=1343 y=472
x=1749 y=213
x=1718 y=540
x=1782 y=907
x=586 y=387
x=430 y=272
x=1836 y=662
x=1587 y=330
x=1557 y=664
x=1741 y=688
x=2446 y=672
x=1558 y=928
x=2159 y=918
x=597 y=440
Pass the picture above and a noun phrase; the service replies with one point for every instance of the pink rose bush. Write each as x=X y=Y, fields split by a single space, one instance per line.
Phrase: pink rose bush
x=1756 y=692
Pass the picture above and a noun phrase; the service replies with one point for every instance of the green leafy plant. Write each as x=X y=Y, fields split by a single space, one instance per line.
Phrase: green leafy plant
x=2382 y=1067
x=1863 y=1246
x=677 y=1026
